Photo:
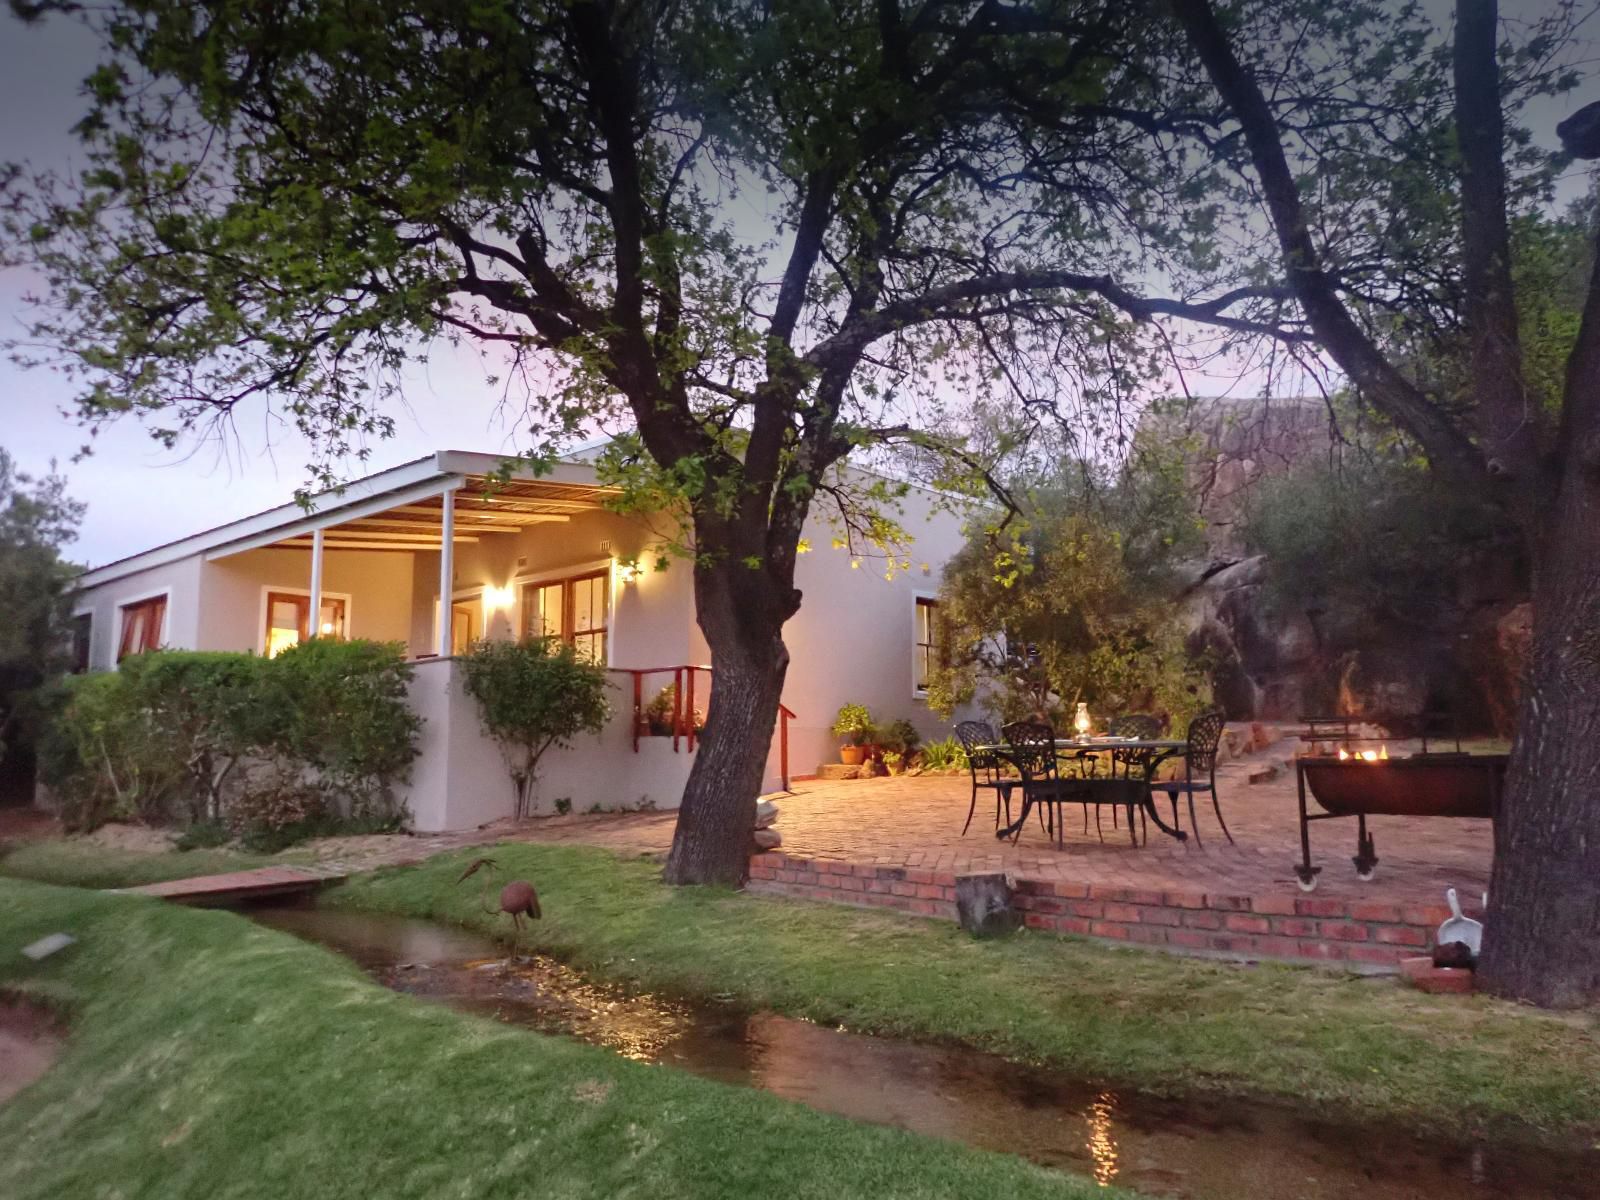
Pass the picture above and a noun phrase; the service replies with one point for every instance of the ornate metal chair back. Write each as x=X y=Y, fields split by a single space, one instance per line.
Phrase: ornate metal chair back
x=1033 y=749
x=984 y=765
x=1135 y=725
x=1205 y=734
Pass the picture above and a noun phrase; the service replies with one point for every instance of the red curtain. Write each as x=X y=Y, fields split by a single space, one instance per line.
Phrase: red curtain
x=141 y=627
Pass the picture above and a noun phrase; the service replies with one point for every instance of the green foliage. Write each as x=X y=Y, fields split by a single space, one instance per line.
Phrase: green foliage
x=343 y=711
x=204 y=835
x=944 y=755
x=900 y=736
x=854 y=722
x=321 y=731
x=103 y=755
x=533 y=694
x=1074 y=603
x=36 y=520
x=1376 y=542
x=658 y=713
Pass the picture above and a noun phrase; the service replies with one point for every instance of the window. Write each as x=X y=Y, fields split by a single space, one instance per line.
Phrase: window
x=574 y=610
x=141 y=626
x=82 y=629
x=925 y=648
x=289 y=620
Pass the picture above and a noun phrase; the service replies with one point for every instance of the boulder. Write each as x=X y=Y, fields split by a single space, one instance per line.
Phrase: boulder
x=766 y=839
x=766 y=814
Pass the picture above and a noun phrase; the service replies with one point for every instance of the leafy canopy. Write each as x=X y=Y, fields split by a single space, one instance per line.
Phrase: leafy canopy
x=754 y=239
x=1076 y=602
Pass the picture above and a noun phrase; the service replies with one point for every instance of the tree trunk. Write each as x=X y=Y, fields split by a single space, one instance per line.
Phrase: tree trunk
x=748 y=663
x=1542 y=934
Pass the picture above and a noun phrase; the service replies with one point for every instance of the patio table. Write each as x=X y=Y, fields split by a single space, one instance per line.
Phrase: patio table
x=1090 y=789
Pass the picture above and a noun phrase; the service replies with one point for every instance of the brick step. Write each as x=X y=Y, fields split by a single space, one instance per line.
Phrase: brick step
x=1355 y=935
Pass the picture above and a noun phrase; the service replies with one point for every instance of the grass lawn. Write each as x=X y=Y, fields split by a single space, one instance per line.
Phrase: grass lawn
x=1365 y=1047
x=84 y=864
x=209 y=1057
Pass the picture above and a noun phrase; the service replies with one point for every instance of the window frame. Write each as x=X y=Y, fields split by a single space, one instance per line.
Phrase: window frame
x=164 y=595
x=919 y=601
x=269 y=590
x=567 y=576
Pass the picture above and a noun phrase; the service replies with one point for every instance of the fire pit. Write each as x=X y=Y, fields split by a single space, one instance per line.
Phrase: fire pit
x=1372 y=784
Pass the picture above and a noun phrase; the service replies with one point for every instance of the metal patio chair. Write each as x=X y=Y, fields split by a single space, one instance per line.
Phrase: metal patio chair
x=986 y=768
x=1199 y=770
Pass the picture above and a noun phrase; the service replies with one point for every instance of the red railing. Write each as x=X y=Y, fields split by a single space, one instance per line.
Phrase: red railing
x=683 y=710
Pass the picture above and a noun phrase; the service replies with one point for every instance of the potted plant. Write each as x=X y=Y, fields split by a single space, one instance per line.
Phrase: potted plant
x=658 y=714
x=853 y=722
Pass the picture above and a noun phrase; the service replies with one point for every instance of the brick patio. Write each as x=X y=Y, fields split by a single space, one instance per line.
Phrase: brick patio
x=896 y=843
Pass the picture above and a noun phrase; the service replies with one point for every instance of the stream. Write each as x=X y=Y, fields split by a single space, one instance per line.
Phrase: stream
x=1210 y=1149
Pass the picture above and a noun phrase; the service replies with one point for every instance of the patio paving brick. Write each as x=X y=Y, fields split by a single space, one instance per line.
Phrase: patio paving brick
x=896 y=843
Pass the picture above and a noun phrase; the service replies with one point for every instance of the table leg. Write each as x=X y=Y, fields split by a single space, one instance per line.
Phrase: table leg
x=1014 y=830
x=1149 y=806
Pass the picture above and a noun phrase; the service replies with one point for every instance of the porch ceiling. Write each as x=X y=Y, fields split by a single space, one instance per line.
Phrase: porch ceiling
x=484 y=508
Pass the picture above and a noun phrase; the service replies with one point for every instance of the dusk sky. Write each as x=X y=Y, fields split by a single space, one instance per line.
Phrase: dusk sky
x=137 y=493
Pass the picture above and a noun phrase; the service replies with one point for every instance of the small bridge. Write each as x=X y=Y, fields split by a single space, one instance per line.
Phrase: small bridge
x=209 y=891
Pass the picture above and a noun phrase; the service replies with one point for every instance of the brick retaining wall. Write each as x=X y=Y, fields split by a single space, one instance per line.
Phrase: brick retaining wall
x=1299 y=928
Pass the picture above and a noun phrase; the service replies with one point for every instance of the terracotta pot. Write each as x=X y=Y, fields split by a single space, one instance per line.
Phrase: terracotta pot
x=852 y=756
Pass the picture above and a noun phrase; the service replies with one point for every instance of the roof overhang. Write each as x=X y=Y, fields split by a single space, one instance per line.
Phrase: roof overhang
x=397 y=509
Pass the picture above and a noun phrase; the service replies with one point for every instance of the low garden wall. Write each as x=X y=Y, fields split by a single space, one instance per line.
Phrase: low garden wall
x=1292 y=928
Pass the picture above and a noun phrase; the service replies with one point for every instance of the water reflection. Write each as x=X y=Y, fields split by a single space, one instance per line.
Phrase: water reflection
x=1102 y=1142
x=1192 y=1151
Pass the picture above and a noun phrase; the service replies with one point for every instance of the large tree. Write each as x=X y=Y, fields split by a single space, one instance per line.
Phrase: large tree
x=754 y=238
x=1418 y=304
x=37 y=520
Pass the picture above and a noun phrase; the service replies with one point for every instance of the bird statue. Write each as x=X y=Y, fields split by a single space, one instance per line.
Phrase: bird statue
x=517 y=898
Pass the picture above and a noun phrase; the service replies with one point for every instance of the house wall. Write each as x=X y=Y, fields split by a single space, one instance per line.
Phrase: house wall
x=378 y=584
x=652 y=619
x=460 y=779
x=852 y=639
x=179 y=580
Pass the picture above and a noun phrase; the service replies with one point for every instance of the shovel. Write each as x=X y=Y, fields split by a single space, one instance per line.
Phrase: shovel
x=1459 y=928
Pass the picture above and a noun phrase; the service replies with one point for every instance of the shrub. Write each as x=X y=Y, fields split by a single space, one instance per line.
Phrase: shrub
x=344 y=714
x=944 y=755
x=900 y=736
x=103 y=756
x=534 y=694
x=207 y=737
x=204 y=835
x=853 y=722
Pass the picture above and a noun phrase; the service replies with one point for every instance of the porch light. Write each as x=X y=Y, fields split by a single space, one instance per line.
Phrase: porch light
x=629 y=572
x=497 y=599
x=327 y=628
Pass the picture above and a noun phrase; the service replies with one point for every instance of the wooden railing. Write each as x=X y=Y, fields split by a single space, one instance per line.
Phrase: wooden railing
x=683 y=711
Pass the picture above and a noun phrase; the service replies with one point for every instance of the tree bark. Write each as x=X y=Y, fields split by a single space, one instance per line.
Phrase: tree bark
x=749 y=661
x=1542 y=934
